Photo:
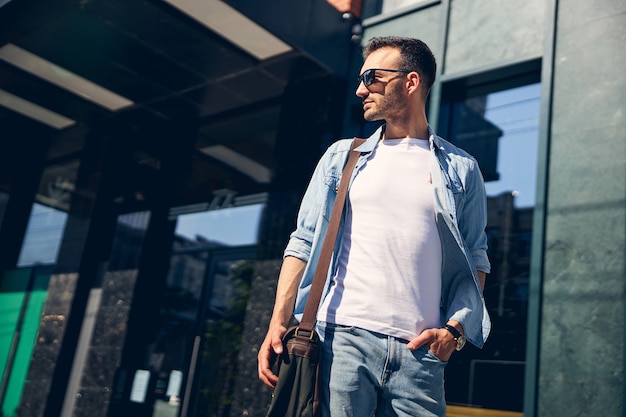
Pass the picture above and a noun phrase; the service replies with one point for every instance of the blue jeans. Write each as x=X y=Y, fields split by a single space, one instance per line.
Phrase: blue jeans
x=372 y=374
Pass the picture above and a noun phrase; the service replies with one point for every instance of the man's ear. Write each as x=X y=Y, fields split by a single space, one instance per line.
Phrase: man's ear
x=414 y=82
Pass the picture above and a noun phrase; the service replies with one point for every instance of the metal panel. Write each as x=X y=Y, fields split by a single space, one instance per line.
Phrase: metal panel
x=487 y=32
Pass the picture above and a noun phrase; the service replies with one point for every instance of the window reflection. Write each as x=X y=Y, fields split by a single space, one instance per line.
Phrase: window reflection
x=43 y=236
x=501 y=130
x=202 y=311
x=221 y=339
x=234 y=226
x=516 y=113
x=49 y=214
x=177 y=318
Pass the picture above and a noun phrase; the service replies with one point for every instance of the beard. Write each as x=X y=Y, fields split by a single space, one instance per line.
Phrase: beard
x=392 y=103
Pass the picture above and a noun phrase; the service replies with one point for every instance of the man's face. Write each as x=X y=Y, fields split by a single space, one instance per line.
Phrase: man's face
x=386 y=97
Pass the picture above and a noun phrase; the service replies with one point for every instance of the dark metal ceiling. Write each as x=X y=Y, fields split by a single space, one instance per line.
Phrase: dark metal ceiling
x=173 y=69
x=147 y=51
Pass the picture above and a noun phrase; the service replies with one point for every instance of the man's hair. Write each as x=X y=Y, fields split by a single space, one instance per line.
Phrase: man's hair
x=415 y=55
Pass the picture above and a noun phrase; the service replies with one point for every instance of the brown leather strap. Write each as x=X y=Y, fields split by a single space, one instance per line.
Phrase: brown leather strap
x=321 y=270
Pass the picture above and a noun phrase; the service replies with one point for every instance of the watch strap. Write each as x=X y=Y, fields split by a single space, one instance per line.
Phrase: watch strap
x=452 y=330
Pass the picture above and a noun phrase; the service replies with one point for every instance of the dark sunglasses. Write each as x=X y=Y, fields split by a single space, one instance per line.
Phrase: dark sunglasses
x=369 y=76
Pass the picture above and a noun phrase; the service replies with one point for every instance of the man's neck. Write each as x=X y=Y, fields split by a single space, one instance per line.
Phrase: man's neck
x=415 y=128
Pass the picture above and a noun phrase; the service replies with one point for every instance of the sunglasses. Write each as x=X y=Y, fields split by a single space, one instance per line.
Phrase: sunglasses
x=369 y=76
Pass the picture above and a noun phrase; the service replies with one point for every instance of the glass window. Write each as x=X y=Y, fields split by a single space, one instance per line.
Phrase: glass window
x=202 y=311
x=516 y=113
x=501 y=129
x=49 y=214
x=218 y=358
x=43 y=236
x=234 y=226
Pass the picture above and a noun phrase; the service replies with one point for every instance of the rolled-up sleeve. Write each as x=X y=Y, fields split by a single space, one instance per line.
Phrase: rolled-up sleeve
x=473 y=218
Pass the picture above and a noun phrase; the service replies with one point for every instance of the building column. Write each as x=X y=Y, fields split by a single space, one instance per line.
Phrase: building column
x=581 y=354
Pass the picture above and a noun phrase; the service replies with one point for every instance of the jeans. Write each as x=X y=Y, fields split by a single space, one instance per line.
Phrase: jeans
x=372 y=374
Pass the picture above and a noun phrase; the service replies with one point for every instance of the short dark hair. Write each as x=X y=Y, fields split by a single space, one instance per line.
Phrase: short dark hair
x=415 y=55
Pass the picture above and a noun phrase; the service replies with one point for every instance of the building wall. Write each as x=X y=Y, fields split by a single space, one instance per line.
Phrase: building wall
x=424 y=23
x=581 y=356
x=491 y=32
x=481 y=33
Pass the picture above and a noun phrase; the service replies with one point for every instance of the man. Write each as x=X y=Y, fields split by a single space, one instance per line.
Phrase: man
x=405 y=286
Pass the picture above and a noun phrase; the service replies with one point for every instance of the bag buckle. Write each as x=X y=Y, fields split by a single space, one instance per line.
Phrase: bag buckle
x=311 y=333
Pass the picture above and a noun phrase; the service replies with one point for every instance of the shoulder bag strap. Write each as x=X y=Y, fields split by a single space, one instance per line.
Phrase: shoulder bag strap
x=321 y=271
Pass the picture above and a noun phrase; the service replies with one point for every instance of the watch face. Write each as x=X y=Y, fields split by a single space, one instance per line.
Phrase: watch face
x=460 y=342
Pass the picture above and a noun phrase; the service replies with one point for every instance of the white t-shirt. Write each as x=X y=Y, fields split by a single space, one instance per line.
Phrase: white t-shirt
x=388 y=278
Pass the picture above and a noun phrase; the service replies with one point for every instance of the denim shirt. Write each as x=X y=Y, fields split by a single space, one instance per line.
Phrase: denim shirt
x=461 y=216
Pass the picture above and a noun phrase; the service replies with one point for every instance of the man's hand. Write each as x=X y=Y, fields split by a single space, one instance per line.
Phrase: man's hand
x=288 y=280
x=439 y=341
x=271 y=346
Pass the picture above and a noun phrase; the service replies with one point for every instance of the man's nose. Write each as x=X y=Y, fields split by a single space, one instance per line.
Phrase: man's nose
x=361 y=90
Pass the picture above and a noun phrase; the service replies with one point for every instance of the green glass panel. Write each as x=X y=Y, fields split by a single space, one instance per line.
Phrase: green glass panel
x=26 y=344
x=12 y=289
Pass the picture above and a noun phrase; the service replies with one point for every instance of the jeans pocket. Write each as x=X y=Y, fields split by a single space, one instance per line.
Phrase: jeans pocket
x=430 y=354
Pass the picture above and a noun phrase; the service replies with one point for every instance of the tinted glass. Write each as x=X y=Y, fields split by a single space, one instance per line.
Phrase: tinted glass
x=501 y=130
x=43 y=236
x=202 y=311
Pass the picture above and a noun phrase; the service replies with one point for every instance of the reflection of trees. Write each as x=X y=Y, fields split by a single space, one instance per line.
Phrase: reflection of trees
x=221 y=344
x=178 y=309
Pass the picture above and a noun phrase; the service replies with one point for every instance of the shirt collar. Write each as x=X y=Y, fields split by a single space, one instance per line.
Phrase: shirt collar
x=370 y=143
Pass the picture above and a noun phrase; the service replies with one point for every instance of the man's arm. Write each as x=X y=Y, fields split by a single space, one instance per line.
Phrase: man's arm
x=482 y=276
x=440 y=341
x=288 y=281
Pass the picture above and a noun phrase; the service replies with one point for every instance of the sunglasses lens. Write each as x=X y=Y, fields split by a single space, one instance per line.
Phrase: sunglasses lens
x=367 y=77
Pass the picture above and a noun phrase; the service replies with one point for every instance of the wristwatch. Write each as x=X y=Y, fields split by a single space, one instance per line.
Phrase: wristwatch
x=458 y=337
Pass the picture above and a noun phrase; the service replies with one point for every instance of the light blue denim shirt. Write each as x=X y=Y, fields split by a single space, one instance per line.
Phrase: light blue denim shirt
x=461 y=215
